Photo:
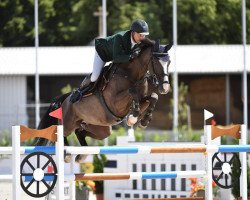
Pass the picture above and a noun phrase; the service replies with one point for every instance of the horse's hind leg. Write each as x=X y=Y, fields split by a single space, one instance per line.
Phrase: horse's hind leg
x=93 y=131
x=67 y=157
x=81 y=136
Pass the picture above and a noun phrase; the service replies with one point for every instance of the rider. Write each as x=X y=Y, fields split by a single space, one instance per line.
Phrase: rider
x=118 y=48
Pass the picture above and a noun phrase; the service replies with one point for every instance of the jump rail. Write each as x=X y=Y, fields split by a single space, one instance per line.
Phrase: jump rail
x=55 y=133
x=132 y=149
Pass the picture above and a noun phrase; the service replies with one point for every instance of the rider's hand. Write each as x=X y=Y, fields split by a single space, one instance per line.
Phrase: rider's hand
x=134 y=55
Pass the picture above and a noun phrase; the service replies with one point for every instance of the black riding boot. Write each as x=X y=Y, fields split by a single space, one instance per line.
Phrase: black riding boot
x=77 y=94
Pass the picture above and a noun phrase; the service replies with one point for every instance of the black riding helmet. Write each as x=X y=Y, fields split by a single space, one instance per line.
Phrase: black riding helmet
x=140 y=26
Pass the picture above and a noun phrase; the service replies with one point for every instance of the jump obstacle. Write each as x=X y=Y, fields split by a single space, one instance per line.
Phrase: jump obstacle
x=58 y=178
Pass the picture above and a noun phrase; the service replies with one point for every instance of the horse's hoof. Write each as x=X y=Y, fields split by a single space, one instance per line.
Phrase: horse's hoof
x=131 y=120
x=166 y=88
x=80 y=158
x=67 y=158
x=143 y=124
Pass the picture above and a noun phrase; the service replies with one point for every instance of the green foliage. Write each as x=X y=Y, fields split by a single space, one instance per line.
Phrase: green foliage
x=236 y=188
x=5 y=140
x=72 y=139
x=163 y=137
x=182 y=129
x=66 y=89
x=191 y=135
x=99 y=164
x=120 y=131
x=139 y=135
x=29 y=142
x=72 y=23
x=131 y=10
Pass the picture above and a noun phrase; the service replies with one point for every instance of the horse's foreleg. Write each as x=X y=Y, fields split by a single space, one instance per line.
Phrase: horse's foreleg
x=149 y=110
x=136 y=101
x=133 y=118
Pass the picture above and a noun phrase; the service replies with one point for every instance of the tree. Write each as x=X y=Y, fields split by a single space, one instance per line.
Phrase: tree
x=16 y=24
x=71 y=23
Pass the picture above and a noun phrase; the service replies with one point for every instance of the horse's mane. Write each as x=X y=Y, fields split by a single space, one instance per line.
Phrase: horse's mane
x=147 y=43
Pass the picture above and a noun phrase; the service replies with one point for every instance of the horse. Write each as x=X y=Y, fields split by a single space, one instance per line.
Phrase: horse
x=128 y=91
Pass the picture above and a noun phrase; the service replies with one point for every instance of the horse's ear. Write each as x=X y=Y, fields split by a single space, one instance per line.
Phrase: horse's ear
x=168 y=47
x=157 y=45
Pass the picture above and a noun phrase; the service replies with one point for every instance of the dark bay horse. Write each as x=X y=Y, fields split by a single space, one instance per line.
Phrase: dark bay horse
x=129 y=92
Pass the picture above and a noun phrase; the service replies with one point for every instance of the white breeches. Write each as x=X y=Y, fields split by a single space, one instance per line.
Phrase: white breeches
x=98 y=64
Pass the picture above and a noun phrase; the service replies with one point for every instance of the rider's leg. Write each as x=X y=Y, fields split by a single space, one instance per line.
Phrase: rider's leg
x=98 y=64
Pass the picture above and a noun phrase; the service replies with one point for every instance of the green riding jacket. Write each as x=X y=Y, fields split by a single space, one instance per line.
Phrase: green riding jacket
x=116 y=48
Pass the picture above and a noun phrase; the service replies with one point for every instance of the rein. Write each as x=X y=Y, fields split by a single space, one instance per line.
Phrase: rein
x=154 y=75
x=146 y=76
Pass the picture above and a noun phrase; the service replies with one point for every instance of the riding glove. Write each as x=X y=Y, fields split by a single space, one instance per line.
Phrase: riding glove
x=134 y=55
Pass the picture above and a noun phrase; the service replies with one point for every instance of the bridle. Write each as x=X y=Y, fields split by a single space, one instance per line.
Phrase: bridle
x=146 y=75
x=153 y=61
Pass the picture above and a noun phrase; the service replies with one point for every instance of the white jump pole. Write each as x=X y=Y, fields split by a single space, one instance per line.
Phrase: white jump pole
x=243 y=160
x=72 y=188
x=16 y=162
x=208 y=167
x=60 y=163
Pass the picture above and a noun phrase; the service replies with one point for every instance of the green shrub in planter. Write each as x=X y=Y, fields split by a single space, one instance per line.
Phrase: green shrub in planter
x=99 y=162
x=236 y=188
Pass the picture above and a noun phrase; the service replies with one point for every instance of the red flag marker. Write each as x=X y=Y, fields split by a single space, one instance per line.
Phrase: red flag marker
x=57 y=114
x=213 y=122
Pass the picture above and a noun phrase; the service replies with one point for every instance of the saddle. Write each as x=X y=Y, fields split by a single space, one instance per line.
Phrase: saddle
x=105 y=76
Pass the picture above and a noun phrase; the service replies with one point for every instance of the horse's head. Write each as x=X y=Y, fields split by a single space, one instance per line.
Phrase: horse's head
x=158 y=61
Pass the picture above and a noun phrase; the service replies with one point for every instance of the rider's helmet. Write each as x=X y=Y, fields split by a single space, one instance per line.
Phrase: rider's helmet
x=140 y=26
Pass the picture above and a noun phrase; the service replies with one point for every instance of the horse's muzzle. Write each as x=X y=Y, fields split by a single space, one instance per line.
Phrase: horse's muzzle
x=164 y=88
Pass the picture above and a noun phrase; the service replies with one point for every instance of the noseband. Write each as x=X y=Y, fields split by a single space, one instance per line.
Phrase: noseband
x=155 y=78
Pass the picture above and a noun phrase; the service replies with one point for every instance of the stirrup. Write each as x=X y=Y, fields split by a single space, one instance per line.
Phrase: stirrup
x=76 y=96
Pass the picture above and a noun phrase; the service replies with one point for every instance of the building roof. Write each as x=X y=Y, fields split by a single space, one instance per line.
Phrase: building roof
x=210 y=58
x=51 y=60
x=78 y=60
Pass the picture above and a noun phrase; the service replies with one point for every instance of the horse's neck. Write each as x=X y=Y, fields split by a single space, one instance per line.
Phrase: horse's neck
x=141 y=63
x=136 y=69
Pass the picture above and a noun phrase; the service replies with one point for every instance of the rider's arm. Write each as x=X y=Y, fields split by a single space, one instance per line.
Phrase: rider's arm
x=119 y=53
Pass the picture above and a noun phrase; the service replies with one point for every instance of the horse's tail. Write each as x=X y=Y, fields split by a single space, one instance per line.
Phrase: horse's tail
x=47 y=120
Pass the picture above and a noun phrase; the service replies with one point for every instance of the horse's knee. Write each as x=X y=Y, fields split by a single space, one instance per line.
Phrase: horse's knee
x=103 y=134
